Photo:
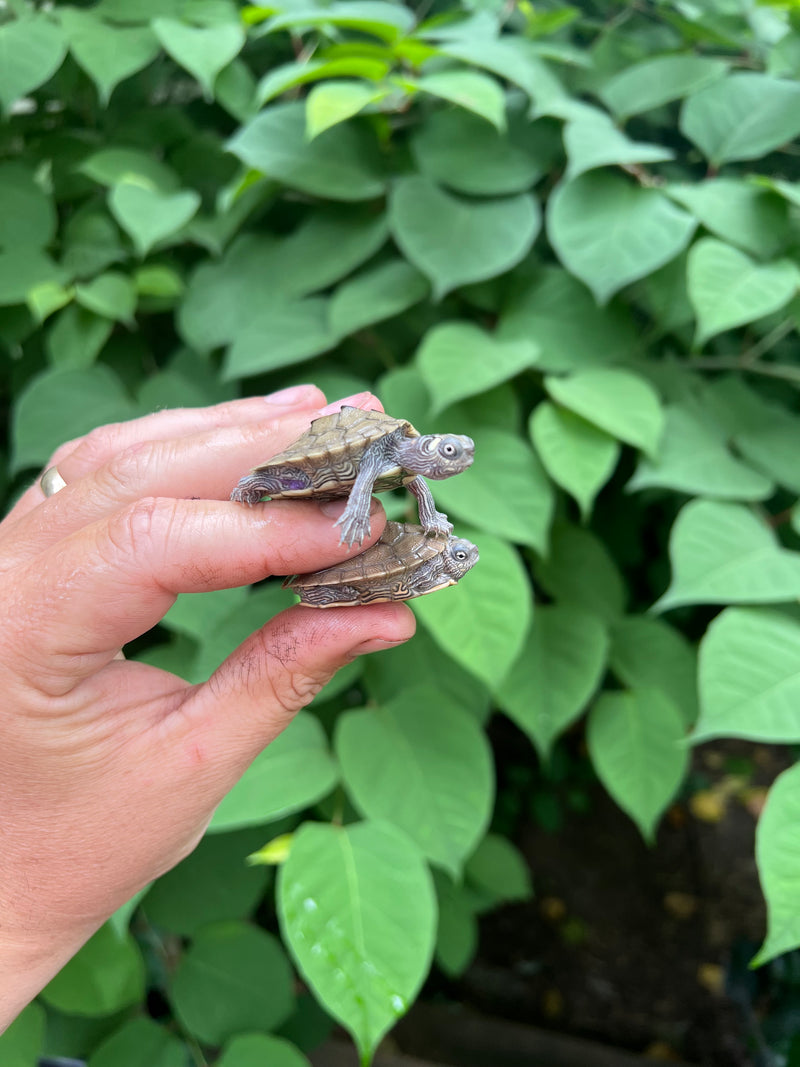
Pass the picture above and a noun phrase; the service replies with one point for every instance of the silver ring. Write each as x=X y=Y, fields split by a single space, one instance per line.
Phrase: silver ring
x=51 y=481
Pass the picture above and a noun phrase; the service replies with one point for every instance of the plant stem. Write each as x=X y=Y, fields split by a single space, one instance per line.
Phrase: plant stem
x=767 y=342
x=771 y=370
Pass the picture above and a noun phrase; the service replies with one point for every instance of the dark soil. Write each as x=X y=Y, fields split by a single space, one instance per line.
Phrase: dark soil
x=643 y=949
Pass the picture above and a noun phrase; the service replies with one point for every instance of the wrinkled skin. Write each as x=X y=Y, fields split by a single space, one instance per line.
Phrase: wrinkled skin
x=110 y=770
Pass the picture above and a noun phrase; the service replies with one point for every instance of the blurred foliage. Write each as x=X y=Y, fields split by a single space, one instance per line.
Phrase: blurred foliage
x=572 y=232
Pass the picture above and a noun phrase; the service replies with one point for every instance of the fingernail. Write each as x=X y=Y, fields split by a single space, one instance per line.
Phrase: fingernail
x=293 y=395
x=375 y=644
x=353 y=401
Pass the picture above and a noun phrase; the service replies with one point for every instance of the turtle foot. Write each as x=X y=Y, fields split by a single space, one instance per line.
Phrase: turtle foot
x=244 y=494
x=439 y=526
x=354 y=529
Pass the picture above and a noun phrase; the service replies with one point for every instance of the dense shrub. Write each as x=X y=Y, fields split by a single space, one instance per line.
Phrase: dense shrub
x=569 y=232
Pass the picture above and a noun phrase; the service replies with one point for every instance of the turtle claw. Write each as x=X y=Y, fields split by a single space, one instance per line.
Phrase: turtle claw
x=439 y=527
x=354 y=529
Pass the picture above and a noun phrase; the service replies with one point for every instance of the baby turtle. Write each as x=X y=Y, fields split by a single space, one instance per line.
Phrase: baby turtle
x=405 y=562
x=354 y=453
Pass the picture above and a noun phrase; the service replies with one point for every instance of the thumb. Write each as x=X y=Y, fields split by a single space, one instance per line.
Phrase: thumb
x=260 y=687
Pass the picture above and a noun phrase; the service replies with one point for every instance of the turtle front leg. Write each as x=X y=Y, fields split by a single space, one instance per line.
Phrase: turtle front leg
x=354 y=520
x=432 y=521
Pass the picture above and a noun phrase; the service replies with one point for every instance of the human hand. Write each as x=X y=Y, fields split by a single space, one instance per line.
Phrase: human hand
x=110 y=770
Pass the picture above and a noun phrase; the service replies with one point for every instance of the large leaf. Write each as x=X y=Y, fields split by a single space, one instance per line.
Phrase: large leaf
x=424 y=764
x=728 y=289
x=109 y=54
x=558 y=670
x=344 y=894
x=25 y=271
x=297 y=329
x=594 y=141
x=750 y=677
x=105 y=976
x=340 y=164
x=725 y=554
x=23 y=1040
x=474 y=92
x=457 y=360
x=234 y=977
x=617 y=401
x=778 y=859
x=493 y=606
x=292 y=772
x=336 y=101
x=375 y=294
x=258 y=1050
x=634 y=741
x=609 y=232
x=27 y=214
x=376 y=17
x=648 y=653
x=455 y=241
x=140 y=1043
x=202 y=50
x=742 y=116
x=504 y=492
x=31 y=51
x=743 y=213
x=577 y=455
x=149 y=215
x=657 y=81
x=579 y=571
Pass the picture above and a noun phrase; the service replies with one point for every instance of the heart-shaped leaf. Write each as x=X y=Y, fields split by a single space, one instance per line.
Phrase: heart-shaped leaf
x=149 y=215
x=778 y=859
x=31 y=51
x=336 y=101
x=107 y=53
x=457 y=360
x=202 y=50
x=727 y=288
x=596 y=142
x=455 y=241
x=725 y=554
x=473 y=91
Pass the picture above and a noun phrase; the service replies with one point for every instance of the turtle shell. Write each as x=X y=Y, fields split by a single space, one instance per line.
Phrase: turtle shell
x=399 y=552
x=330 y=451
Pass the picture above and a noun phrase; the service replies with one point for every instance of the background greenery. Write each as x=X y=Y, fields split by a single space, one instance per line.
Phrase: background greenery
x=572 y=232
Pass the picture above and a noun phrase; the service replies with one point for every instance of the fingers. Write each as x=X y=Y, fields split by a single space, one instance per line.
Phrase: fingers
x=113 y=580
x=279 y=670
x=205 y=465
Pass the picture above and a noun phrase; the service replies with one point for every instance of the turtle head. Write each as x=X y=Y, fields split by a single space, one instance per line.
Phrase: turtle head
x=461 y=555
x=436 y=455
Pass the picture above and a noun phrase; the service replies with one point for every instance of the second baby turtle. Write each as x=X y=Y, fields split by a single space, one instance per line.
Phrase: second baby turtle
x=354 y=453
x=403 y=563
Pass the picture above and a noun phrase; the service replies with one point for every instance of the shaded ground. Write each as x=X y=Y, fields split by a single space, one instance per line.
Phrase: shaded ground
x=644 y=949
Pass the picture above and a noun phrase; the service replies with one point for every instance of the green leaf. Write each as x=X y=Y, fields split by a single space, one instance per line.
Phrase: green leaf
x=577 y=456
x=572 y=332
x=336 y=101
x=112 y=295
x=724 y=554
x=199 y=614
x=493 y=605
x=27 y=214
x=422 y=763
x=340 y=164
x=458 y=359
x=657 y=81
x=76 y=338
x=92 y=242
x=387 y=674
x=727 y=288
x=464 y=152
x=159 y=281
x=504 y=492
x=648 y=653
x=24 y=270
x=109 y=54
x=610 y=232
x=23 y=1041
x=104 y=977
x=558 y=670
x=593 y=142
x=740 y=212
x=58 y=405
x=32 y=49
x=343 y=894
x=475 y=92
x=230 y=888
x=455 y=241
x=457 y=933
x=750 y=677
x=778 y=860
x=634 y=741
x=770 y=444
x=234 y=977
x=742 y=116
x=618 y=401
x=579 y=571
x=148 y=215
x=140 y=1043
x=297 y=329
x=202 y=50
x=258 y=1050
x=498 y=869
x=385 y=20
x=693 y=458
x=113 y=165
x=375 y=294
x=293 y=772
x=290 y=75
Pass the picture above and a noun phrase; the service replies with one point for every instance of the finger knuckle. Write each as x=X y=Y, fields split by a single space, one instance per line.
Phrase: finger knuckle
x=93 y=450
x=139 y=525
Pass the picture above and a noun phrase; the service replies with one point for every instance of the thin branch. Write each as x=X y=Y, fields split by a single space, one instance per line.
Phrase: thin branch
x=771 y=370
x=768 y=341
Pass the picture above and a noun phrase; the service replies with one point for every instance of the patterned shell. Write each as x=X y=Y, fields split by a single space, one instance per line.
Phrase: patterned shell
x=331 y=448
x=400 y=550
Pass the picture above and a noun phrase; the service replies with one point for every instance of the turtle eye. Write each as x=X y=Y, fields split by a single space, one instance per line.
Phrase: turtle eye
x=449 y=449
x=460 y=554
